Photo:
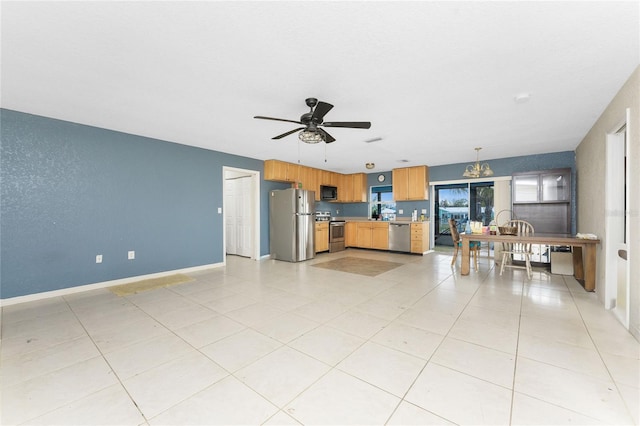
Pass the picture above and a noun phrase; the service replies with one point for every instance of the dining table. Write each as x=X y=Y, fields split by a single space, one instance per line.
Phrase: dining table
x=584 y=251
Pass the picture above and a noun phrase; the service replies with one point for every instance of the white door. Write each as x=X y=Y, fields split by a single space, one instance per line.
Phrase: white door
x=617 y=226
x=230 y=216
x=239 y=211
x=244 y=216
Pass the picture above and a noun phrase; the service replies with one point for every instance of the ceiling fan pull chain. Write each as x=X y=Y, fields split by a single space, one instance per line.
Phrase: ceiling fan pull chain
x=325 y=152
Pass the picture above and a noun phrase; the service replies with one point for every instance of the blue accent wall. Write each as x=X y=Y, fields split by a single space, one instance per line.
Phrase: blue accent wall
x=70 y=192
x=508 y=166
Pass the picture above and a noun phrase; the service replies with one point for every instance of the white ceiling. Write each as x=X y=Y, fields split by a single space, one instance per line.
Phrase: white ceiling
x=436 y=79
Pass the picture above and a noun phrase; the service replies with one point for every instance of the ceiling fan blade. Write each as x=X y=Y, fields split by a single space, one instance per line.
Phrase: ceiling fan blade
x=326 y=136
x=288 y=133
x=349 y=124
x=276 y=119
x=320 y=111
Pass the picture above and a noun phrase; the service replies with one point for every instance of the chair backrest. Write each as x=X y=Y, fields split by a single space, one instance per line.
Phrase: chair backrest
x=455 y=235
x=524 y=228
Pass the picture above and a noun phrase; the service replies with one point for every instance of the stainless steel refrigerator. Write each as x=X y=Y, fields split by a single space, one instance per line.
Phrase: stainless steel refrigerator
x=292 y=224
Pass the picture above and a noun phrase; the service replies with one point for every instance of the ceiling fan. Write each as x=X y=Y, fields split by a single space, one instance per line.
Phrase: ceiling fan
x=312 y=132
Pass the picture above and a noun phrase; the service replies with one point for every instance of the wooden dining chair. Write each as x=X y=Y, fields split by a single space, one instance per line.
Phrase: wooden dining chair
x=474 y=246
x=523 y=228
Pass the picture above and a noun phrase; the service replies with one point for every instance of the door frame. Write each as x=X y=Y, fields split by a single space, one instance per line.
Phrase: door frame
x=255 y=212
x=616 y=216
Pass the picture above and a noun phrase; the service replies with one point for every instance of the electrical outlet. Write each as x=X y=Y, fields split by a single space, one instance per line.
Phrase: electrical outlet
x=219 y=210
x=131 y=255
x=400 y=211
x=98 y=258
x=424 y=211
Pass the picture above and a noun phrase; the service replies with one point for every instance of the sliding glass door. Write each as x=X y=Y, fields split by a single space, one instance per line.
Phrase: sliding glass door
x=481 y=202
x=463 y=202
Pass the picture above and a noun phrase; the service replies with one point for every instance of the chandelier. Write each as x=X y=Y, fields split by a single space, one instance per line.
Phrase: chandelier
x=477 y=170
x=310 y=136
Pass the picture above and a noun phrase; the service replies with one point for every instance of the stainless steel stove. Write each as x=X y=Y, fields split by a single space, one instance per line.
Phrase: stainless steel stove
x=336 y=235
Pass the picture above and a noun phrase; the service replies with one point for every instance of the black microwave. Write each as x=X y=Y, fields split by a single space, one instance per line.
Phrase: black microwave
x=328 y=193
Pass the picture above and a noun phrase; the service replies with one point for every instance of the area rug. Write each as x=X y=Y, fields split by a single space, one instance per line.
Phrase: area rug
x=150 y=284
x=359 y=265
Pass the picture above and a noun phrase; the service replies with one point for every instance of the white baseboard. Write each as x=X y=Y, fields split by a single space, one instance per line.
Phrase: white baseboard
x=87 y=287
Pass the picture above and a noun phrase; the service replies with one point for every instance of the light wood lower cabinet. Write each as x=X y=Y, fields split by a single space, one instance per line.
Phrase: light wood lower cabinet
x=322 y=236
x=419 y=237
x=380 y=236
x=350 y=234
x=372 y=235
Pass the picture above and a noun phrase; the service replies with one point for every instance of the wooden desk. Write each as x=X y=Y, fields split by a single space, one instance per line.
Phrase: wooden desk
x=584 y=252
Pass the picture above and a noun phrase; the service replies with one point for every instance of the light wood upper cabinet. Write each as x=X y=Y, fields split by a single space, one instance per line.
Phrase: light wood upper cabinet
x=328 y=178
x=307 y=177
x=351 y=188
x=410 y=183
x=277 y=171
x=293 y=174
x=400 y=181
x=359 y=189
x=345 y=188
x=314 y=180
x=281 y=171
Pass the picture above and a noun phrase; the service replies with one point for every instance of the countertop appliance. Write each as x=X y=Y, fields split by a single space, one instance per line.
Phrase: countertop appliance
x=292 y=224
x=328 y=193
x=323 y=216
x=336 y=235
x=400 y=237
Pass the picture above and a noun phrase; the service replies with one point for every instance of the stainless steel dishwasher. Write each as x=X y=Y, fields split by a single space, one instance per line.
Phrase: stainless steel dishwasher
x=400 y=237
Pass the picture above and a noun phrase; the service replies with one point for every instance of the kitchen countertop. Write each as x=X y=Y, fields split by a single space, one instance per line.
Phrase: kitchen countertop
x=360 y=219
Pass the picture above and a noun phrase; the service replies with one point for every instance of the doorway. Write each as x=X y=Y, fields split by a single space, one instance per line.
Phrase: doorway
x=241 y=206
x=617 y=267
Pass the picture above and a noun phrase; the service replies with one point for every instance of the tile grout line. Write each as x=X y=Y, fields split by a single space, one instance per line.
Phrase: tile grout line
x=615 y=383
x=435 y=350
x=105 y=360
x=515 y=358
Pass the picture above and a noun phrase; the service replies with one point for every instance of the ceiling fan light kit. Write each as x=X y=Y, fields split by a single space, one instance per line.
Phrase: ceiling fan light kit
x=476 y=170
x=310 y=137
x=312 y=133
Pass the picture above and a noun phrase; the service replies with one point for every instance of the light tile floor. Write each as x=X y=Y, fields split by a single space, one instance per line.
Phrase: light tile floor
x=273 y=342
